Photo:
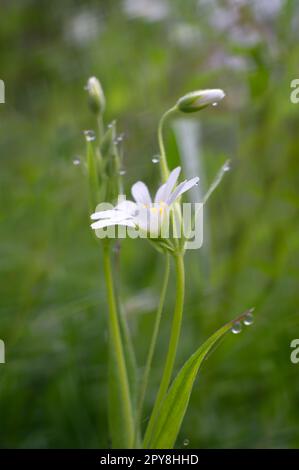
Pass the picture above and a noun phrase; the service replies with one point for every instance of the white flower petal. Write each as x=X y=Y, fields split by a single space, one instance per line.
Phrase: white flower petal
x=123 y=209
x=127 y=206
x=148 y=220
x=209 y=97
x=109 y=222
x=182 y=188
x=164 y=191
x=140 y=193
x=160 y=194
x=103 y=214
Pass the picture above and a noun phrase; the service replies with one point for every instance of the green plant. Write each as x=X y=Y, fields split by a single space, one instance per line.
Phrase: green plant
x=151 y=218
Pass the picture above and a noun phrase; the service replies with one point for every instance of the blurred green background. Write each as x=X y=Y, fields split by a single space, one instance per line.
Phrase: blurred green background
x=147 y=53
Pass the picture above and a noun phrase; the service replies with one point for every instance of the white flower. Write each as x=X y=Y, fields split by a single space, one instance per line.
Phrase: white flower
x=199 y=99
x=145 y=214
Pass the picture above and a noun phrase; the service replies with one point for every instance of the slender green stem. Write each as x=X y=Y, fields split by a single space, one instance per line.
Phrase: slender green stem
x=144 y=381
x=100 y=126
x=173 y=343
x=163 y=160
x=115 y=337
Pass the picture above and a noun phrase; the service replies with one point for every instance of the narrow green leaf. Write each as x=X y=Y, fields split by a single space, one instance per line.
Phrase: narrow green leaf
x=174 y=405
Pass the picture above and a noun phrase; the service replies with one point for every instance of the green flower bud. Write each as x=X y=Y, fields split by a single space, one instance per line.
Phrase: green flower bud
x=197 y=100
x=96 y=95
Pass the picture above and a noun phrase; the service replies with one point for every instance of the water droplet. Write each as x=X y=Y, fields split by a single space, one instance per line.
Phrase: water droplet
x=226 y=166
x=186 y=442
x=76 y=161
x=112 y=123
x=215 y=104
x=89 y=135
x=156 y=159
x=122 y=172
x=248 y=319
x=236 y=328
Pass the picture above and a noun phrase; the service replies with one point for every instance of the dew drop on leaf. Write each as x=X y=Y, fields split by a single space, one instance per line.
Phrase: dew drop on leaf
x=226 y=166
x=248 y=319
x=236 y=328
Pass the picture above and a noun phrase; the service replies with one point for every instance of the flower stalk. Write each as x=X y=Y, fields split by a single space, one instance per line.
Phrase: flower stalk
x=144 y=381
x=115 y=338
x=173 y=343
x=103 y=178
x=163 y=160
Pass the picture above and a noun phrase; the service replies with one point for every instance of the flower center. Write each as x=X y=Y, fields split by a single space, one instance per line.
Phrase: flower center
x=157 y=207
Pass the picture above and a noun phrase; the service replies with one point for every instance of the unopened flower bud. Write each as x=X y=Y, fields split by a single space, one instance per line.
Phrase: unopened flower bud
x=96 y=95
x=197 y=100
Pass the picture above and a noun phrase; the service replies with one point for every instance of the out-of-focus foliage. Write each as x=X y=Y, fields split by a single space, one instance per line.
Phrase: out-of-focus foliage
x=147 y=53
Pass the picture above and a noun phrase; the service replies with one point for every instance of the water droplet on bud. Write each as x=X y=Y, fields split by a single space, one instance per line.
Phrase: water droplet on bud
x=89 y=135
x=236 y=328
x=186 y=442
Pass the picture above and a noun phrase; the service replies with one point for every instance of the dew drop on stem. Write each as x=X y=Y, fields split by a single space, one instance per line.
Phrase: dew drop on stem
x=156 y=159
x=89 y=135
